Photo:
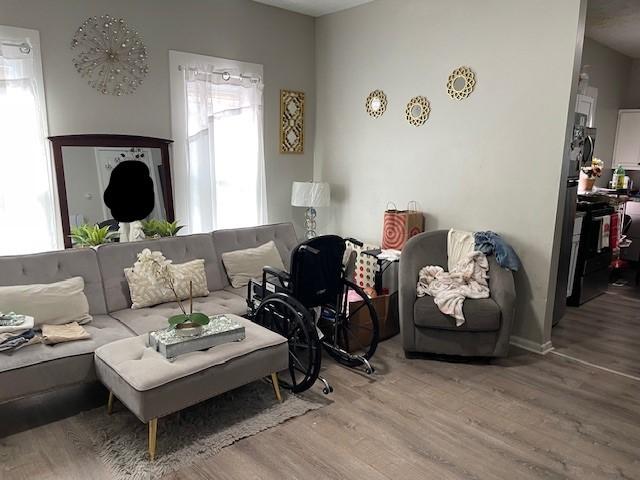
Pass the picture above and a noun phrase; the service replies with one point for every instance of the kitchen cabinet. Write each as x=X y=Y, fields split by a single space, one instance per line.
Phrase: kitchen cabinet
x=627 y=147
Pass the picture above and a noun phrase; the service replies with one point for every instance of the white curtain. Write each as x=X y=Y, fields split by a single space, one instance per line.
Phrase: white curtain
x=225 y=153
x=27 y=206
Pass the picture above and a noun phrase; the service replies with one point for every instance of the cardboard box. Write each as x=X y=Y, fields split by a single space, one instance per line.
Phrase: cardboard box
x=386 y=307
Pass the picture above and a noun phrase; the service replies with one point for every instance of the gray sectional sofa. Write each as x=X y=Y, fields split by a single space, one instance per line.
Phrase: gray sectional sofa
x=39 y=368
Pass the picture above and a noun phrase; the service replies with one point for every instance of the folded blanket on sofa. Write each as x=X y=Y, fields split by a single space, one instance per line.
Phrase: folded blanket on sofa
x=467 y=279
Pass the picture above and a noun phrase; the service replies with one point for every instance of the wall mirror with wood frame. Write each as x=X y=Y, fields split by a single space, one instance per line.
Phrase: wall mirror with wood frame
x=84 y=164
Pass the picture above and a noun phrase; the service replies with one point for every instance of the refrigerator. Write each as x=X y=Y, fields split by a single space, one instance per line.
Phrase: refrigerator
x=581 y=153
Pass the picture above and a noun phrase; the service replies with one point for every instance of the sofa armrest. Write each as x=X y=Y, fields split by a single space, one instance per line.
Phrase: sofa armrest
x=428 y=248
x=503 y=292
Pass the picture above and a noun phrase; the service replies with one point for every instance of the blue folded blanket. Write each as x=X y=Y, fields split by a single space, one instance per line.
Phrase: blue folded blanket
x=491 y=243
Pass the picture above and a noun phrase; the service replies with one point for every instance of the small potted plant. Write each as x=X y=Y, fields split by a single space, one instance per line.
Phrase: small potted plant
x=589 y=174
x=153 y=228
x=155 y=264
x=91 y=235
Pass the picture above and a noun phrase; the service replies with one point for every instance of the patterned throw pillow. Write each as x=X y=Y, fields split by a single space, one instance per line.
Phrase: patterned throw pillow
x=148 y=290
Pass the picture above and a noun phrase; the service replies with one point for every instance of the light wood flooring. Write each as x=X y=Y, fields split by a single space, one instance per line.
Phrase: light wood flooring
x=604 y=331
x=524 y=417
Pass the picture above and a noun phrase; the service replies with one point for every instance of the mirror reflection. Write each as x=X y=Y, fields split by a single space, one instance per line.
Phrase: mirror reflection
x=459 y=83
x=292 y=108
x=416 y=110
x=87 y=173
x=375 y=104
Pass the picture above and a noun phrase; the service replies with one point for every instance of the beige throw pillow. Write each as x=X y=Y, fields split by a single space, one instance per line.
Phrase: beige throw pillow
x=243 y=265
x=48 y=303
x=147 y=290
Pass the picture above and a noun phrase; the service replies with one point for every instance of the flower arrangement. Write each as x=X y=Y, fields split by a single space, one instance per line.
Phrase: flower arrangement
x=156 y=265
x=595 y=169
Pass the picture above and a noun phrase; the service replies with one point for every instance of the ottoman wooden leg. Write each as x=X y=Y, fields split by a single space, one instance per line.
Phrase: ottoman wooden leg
x=110 y=403
x=276 y=386
x=153 y=430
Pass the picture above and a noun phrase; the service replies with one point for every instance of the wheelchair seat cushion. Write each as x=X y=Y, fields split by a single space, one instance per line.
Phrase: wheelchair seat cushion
x=243 y=265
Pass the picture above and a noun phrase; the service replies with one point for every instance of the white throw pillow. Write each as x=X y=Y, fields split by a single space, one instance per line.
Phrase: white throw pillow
x=48 y=303
x=147 y=290
x=243 y=265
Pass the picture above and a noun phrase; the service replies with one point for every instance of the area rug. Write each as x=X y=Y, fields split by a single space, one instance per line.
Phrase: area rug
x=120 y=439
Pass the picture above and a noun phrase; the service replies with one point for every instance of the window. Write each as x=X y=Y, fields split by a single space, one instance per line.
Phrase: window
x=28 y=217
x=217 y=124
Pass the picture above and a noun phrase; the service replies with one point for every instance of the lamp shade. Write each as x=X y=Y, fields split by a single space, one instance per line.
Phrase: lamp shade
x=310 y=194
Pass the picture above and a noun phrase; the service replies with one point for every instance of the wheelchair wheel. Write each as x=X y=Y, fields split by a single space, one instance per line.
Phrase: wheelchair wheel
x=351 y=334
x=288 y=317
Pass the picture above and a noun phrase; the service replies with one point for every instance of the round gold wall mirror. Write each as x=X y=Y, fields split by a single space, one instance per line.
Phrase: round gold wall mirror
x=461 y=83
x=418 y=110
x=376 y=103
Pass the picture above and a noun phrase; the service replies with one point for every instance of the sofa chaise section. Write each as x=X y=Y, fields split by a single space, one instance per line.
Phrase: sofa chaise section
x=39 y=368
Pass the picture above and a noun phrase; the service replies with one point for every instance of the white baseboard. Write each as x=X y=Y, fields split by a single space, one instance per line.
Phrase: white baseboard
x=530 y=346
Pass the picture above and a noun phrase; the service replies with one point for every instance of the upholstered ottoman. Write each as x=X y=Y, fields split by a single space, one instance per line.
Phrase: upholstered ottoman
x=152 y=386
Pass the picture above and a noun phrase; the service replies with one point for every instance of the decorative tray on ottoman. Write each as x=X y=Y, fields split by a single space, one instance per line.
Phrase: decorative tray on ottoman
x=220 y=329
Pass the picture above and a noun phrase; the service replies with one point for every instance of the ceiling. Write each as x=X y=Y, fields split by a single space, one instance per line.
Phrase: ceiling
x=315 y=8
x=616 y=24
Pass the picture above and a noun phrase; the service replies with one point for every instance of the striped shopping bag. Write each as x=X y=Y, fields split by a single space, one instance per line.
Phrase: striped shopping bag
x=400 y=225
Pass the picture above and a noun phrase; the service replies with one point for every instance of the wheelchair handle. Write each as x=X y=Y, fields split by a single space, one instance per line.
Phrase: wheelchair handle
x=309 y=249
x=356 y=242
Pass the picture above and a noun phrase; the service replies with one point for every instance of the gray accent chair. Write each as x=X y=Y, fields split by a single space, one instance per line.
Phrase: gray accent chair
x=425 y=329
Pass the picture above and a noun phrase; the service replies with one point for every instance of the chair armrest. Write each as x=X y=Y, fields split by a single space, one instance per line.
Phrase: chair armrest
x=276 y=272
x=502 y=287
x=503 y=292
x=424 y=249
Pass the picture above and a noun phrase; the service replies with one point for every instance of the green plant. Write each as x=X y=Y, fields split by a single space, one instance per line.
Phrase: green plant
x=160 y=228
x=91 y=235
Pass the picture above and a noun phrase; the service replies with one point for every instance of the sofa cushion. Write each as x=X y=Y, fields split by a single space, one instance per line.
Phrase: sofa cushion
x=103 y=329
x=243 y=265
x=55 y=303
x=147 y=290
x=114 y=258
x=481 y=315
x=53 y=267
x=151 y=386
x=283 y=234
x=145 y=320
x=143 y=368
x=241 y=292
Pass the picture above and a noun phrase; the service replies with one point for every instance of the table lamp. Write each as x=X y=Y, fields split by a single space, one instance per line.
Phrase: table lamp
x=310 y=195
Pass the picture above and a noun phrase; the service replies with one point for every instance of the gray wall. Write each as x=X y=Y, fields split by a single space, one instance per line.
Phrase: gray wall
x=238 y=29
x=492 y=161
x=632 y=98
x=609 y=73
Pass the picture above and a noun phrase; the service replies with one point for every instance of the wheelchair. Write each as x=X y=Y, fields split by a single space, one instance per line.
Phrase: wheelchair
x=316 y=306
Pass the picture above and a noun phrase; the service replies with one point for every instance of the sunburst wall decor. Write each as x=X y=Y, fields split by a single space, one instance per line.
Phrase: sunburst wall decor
x=110 y=55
